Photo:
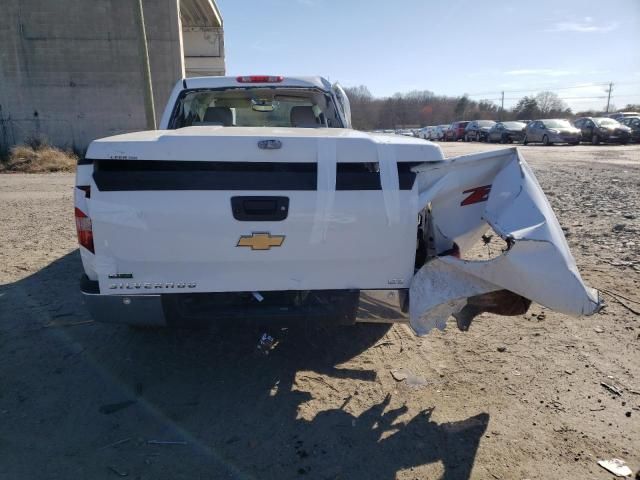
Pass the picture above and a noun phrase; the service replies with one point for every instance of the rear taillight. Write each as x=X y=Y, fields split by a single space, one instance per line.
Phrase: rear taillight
x=85 y=232
x=259 y=79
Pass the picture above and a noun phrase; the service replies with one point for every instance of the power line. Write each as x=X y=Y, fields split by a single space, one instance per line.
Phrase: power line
x=499 y=99
x=550 y=87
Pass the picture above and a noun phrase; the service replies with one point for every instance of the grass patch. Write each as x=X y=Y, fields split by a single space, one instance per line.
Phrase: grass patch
x=38 y=159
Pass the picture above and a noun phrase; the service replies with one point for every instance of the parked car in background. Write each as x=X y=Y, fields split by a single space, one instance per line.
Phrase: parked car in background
x=506 y=132
x=438 y=132
x=405 y=132
x=432 y=132
x=477 y=130
x=619 y=115
x=634 y=124
x=422 y=133
x=550 y=131
x=603 y=129
x=455 y=131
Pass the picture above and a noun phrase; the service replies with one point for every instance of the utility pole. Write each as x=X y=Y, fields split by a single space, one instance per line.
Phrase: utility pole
x=502 y=105
x=143 y=48
x=609 y=96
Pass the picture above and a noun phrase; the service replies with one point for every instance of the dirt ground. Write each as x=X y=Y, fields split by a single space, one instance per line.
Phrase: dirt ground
x=513 y=398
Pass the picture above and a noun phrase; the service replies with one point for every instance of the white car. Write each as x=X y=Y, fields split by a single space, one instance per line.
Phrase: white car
x=427 y=132
x=256 y=198
x=438 y=132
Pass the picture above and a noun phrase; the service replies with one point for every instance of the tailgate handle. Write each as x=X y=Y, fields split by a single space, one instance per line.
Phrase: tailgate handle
x=260 y=209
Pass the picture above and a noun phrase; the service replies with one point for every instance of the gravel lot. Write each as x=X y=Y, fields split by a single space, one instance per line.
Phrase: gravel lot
x=513 y=398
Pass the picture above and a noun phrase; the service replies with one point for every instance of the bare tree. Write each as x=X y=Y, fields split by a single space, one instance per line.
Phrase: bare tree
x=364 y=108
x=549 y=103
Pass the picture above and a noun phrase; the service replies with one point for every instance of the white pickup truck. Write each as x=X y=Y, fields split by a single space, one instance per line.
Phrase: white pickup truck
x=256 y=198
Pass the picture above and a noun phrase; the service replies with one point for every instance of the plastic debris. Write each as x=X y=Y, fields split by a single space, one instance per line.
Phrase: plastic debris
x=266 y=343
x=399 y=375
x=611 y=388
x=415 y=381
x=616 y=466
x=409 y=378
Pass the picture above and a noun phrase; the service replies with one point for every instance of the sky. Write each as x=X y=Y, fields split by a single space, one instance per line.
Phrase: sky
x=449 y=47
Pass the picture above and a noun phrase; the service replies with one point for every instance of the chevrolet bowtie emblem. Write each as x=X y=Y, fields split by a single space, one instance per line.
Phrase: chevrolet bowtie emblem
x=260 y=241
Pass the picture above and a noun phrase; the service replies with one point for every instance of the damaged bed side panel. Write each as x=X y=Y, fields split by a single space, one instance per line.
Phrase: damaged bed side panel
x=498 y=189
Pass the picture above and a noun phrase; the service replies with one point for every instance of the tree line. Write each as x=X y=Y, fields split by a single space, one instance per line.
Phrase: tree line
x=423 y=107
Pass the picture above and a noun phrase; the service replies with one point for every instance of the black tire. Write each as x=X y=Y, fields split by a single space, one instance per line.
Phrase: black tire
x=503 y=139
x=595 y=139
x=575 y=143
x=624 y=142
x=545 y=141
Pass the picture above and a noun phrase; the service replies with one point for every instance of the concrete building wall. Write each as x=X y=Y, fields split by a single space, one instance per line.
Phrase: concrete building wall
x=71 y=70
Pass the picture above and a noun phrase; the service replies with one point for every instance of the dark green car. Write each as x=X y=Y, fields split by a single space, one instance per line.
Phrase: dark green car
x=603 y=129
x=506 y=132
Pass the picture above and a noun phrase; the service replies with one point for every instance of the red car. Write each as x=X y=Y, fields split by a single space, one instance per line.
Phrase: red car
x=455 y=131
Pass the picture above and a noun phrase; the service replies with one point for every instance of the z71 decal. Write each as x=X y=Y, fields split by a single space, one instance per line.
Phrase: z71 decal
x=476 y=195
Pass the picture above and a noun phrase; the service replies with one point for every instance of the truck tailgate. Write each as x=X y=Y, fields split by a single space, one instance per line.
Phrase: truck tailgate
x=198 y=226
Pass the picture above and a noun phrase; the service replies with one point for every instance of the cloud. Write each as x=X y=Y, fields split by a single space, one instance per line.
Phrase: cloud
x=546 y=72
x=587 y=25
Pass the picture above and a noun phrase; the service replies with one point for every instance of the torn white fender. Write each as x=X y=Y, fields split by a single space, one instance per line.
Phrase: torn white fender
x=468 y=193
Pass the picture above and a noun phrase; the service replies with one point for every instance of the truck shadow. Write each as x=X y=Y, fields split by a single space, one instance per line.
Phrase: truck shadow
x=241 y=413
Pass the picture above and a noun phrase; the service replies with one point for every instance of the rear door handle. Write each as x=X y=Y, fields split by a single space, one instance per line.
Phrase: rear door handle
x=260 y=209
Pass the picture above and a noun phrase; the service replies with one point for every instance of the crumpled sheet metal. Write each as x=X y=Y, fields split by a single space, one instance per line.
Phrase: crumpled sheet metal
x=538 y=265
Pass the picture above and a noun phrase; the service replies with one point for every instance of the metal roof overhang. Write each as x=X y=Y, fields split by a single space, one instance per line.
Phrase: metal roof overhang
x=200 y=13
